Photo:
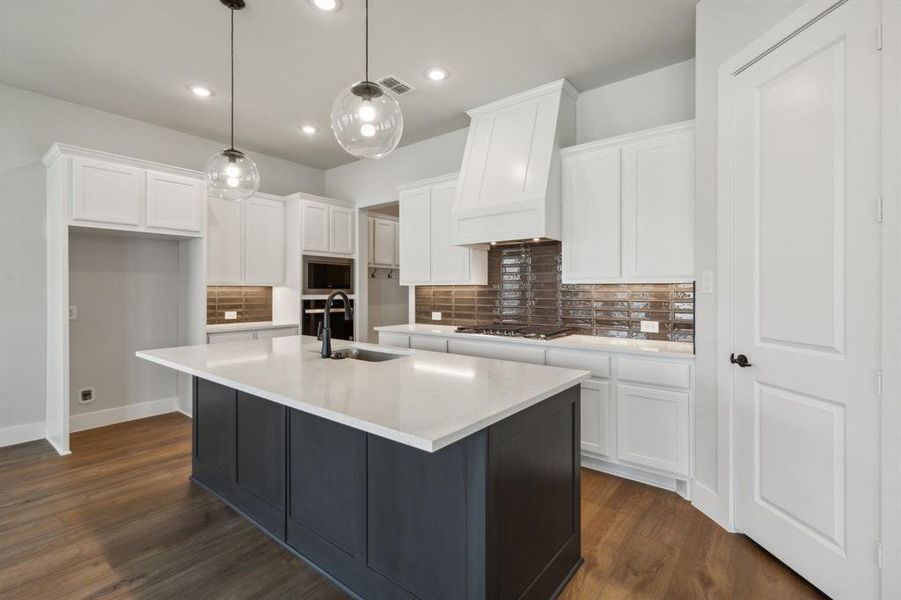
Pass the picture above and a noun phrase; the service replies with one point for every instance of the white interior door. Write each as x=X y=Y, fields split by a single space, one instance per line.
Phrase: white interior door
x=806 y=171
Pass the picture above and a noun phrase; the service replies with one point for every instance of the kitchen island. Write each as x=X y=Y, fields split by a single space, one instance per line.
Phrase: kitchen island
x=399 y=474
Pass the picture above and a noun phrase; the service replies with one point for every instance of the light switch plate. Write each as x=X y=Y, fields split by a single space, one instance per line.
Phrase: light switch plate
x=707 y=282
x=73 y=313
x=650 y=327
x=436 y=316
x=231 y=315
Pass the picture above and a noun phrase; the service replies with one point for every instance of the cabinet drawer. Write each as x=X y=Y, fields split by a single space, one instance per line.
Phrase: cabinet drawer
x=231 y=336
x=428 y=342
x=652 y=428
x=654 y=372
x=514 y=352
x=263 y=334
x=597 y=363
x=395 y=340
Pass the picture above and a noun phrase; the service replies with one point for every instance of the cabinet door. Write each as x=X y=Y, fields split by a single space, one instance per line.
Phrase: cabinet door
x=450 y=263
x=341 y=229
x=370 y=222
x=174 y=202
x=214 y=425
x=315 y=226
x=261 y=450
x=415 y=236
x=264 y=241
x=428 y=342
x=394 y=340
x=105 y=192
x=591 y=216
x=595 y=422
x=658 y=207
x=225 y=249
x=652 y=428
x=383 y=246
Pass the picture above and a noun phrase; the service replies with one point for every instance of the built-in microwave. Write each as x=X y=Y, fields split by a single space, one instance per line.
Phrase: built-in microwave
x=324 y=275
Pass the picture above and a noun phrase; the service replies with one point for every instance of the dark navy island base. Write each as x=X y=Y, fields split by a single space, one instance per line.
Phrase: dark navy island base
x=493 y=516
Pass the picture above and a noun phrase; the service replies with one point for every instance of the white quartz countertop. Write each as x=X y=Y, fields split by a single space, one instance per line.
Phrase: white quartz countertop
x=427 y=400
x=577 y=342
x=252 y=326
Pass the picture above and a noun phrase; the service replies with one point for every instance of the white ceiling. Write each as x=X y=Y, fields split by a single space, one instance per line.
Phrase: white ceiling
x=136 y=57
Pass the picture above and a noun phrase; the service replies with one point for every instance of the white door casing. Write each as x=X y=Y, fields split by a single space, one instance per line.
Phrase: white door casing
x=805 y=159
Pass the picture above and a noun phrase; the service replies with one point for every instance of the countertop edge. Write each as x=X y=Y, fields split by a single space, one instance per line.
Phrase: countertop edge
x=367 y=426
x=559 y=343
x=249 y=326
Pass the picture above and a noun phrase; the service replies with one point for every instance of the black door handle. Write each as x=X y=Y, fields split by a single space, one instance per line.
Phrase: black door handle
x=741 y=360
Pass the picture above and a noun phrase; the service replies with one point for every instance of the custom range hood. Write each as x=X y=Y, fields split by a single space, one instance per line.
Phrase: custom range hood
x=510 y=182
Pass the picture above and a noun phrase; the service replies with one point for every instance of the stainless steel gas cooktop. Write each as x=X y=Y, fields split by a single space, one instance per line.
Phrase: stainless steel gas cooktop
x=538 y=332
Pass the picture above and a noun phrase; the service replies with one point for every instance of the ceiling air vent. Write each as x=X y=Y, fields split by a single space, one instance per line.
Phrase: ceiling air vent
x=396 y=85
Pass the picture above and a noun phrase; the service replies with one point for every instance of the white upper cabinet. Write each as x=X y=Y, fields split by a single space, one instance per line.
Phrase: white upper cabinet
x=397 y=244
x=174 y=202
x=450 y=263
x=658 y=206
x=428 y=254
x=326 y=226
x=415 y=236
x=341 y=230
x=628 y=208
x=264 y=241
x=107 y=192
x=383 y=234
x=314 y=216
x=246 y=241
x=224 y=242
x=591 y=216
x=509 y=187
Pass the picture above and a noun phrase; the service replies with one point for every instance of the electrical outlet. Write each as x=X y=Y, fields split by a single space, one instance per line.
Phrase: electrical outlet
x=650 y=327
x=436 y=316
x=73 y=313
x=231 y=315
x=86 y=395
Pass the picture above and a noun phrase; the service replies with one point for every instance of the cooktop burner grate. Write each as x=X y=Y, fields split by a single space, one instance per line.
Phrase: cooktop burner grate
x=539 y=332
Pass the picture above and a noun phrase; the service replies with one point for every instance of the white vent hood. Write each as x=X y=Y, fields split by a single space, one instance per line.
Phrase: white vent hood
x=510 y=186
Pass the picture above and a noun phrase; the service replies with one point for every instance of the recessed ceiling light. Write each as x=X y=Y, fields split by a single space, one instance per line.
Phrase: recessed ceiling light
x=200 y=90
x=308 y=129
x=436 y=74
x=328 y=5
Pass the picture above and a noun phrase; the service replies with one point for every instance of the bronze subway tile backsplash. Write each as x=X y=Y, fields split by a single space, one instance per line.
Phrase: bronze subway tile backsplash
x=252 y=303
x=524 y=286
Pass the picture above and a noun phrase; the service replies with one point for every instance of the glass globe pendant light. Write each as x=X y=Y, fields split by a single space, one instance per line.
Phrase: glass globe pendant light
x=366 y=117
x=230 y=175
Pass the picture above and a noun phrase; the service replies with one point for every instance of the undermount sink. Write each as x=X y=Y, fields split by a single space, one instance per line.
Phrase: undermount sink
x=364 y=355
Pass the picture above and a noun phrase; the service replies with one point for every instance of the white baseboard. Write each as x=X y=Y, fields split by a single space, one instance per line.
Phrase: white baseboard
x=662 y=481
x=711 y=504
x=185 y=413
x=19 y=434
x=120 y=414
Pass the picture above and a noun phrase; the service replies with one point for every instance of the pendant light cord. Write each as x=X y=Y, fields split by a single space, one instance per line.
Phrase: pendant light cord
x=367 y=40
x=232 y=78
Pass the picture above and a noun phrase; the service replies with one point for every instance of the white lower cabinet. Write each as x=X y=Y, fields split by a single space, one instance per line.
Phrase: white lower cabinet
x=635 y=410
x=652 y=428
x=596 y=420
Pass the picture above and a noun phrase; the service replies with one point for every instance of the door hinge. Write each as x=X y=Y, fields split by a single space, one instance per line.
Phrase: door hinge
x=880 y=210
x=879 y=553
x=879 y=383
x=879 y=37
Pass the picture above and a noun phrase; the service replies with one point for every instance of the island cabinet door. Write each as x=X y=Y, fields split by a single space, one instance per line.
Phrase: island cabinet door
x=214 y=434
x=261 y=456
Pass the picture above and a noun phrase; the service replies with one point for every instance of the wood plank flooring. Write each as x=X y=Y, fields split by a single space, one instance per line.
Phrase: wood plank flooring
x=119 y=519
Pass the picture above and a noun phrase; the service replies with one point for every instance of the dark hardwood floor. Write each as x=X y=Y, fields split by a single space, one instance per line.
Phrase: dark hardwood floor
x=119 y=519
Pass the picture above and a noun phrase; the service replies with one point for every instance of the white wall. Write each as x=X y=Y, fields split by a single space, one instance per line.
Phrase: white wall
x=29 y=124
x=648 y=100
x=723 y=28
x=126 y=292
x=388 y=302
